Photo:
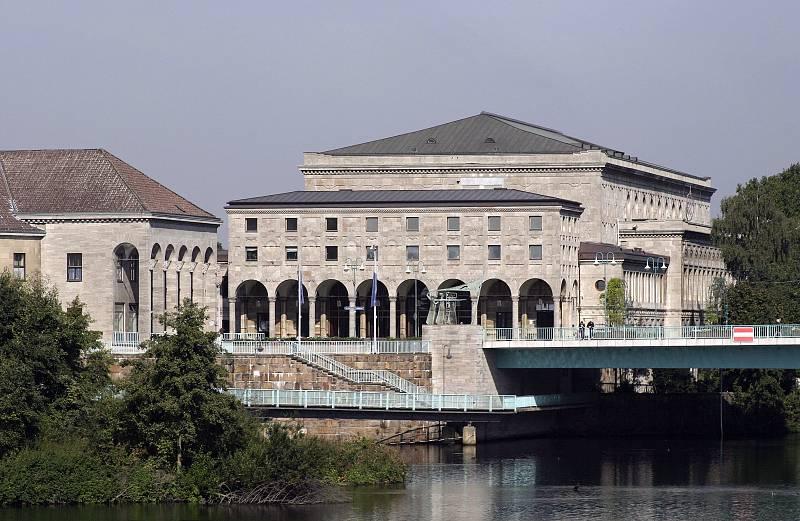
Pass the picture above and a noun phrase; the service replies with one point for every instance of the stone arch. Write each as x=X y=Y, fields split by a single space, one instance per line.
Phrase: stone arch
x=155 y=252
x=208 y=255
x=536 y=306
x=196 y=254
x=252 y=308
x=169 y=253
x=332 y=317
x=182 y=253
x=286 y=310
x=463 y=309
x=563 y=310
x=364 y=318
x=412 y=297
x=495 y=305
x=126 y=288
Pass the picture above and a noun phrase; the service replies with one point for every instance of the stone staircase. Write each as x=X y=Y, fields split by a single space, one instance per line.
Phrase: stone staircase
x=358 y=376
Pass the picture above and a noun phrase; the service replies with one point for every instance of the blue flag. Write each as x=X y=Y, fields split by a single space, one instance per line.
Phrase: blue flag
x=374 y=298
x=300 y=299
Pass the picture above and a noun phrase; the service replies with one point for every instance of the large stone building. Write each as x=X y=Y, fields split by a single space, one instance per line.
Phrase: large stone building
x=536 y=219
x=100 y=230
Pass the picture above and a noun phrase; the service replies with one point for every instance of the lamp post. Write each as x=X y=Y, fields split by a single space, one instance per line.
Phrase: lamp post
x=354 y=266
x=605 y=258
x=416 y=268
x=656 y=264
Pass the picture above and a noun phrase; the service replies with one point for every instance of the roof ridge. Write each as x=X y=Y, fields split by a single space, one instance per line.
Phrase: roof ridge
x=59 y=149
x=173 y=192
x=105 y=153
x=12 y=204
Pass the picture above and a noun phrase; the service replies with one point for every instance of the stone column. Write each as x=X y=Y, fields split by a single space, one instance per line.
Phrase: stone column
x=352 y=318
x=271 y=322
x=392 y=317
x=312 y=317
x=474 y=317
x=362 y=323
x=323 y=317
x=515 y=316
x=234 y=320
x=283 y=332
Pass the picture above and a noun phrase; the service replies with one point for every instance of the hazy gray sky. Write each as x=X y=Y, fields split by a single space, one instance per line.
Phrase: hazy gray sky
x=218 y=100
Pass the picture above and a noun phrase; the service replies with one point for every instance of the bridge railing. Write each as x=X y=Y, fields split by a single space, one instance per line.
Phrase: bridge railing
x=278 y=398
x=243 y=345
x=598 y=333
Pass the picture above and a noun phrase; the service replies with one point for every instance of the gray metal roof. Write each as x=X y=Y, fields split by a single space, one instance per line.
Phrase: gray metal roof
x=485 y=133
x=379 y=198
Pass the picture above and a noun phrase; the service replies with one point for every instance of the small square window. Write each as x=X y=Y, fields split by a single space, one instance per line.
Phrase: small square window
x=74 y=267
x=494 y=223
x=494 y=252
x=372 y=253
x=412 y=224
x=251 y=224
x=331 y=253
x=535 y=222
x=453 y=224
x=291 y=253
x=372 y=224
x=291 y=224
x=331 y=224
x=412 y=253
x=251 y=253
x=453 y=252
x=19 y=265
x=535 y=251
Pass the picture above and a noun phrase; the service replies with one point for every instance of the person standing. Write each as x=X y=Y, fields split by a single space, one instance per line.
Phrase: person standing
x=590 y=325
x=582 y=330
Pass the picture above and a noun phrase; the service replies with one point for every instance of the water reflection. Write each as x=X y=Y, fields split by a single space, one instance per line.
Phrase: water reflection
x=541 y=479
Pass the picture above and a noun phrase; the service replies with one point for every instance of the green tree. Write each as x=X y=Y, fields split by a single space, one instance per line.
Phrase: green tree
x=613 y=300
x=42 y=348
x=717 y=305
x=671 y=381
x=173 y=407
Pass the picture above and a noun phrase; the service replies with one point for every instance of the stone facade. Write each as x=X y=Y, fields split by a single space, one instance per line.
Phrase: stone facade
x=623 y=203
x=28 y=245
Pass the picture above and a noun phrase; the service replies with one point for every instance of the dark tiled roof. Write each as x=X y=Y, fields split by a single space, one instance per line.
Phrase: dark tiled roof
x=588 y=251
x=9 y=223
x=484 y=133
x=86 y=181
x=378 y=198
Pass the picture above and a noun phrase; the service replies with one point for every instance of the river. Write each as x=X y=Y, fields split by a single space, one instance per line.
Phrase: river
x=647 y=480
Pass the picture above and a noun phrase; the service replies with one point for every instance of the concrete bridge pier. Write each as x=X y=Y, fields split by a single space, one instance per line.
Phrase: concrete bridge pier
x=469 y=436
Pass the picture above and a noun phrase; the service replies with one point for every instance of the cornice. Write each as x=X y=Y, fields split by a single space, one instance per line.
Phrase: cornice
x=403 y=211
x=449 y=170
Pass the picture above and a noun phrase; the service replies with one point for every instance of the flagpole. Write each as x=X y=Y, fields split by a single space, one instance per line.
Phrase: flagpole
x=375 y=300
x=299 y=301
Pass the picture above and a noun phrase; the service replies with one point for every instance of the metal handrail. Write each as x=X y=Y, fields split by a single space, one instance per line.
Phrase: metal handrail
x=720 y=332
x=256 y=345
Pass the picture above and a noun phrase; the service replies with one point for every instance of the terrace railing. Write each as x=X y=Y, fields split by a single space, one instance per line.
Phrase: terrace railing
x=252 y=343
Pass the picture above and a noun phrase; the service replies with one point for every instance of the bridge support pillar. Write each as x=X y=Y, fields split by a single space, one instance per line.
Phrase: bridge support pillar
x=468 y=435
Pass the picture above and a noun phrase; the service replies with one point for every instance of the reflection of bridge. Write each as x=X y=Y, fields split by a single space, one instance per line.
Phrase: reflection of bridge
x=741 y=346
x=363 y=404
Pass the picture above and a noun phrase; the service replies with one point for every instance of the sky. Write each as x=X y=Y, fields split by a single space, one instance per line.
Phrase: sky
x=218 y=100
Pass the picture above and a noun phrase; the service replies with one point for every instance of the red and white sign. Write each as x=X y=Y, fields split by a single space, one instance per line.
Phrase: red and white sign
x=743 y=334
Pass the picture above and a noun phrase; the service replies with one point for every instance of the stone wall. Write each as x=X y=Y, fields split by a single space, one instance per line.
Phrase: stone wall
x=30 y=246
x=459 y=364
x=351 y=429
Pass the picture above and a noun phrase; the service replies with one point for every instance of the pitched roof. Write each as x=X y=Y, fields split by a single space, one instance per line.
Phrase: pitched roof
x=86 y=181
x=8 y=221
x=379 y=198
x=485 y=133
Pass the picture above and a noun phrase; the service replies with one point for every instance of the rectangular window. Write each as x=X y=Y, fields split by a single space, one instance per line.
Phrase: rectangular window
x=372 y=253
x=331 y=224
x=535 y=251
x=291 y=253
x=412 y=224
x=372 y=224
x=331 y=253
x=251 y=224
x=412 y=253
x=536 y=223
x=494 y=252
x=19 y=265
x=453 y=252
x=291 y=224
x=251 y=253
x=132 y=320
x=494 y=223
x=119 y=316
x=453 y=224
x=74 y=267
x=133 y=269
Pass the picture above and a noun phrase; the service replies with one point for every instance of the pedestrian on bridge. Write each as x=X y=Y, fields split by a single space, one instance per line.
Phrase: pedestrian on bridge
x=590 y=325
x=582 y=330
